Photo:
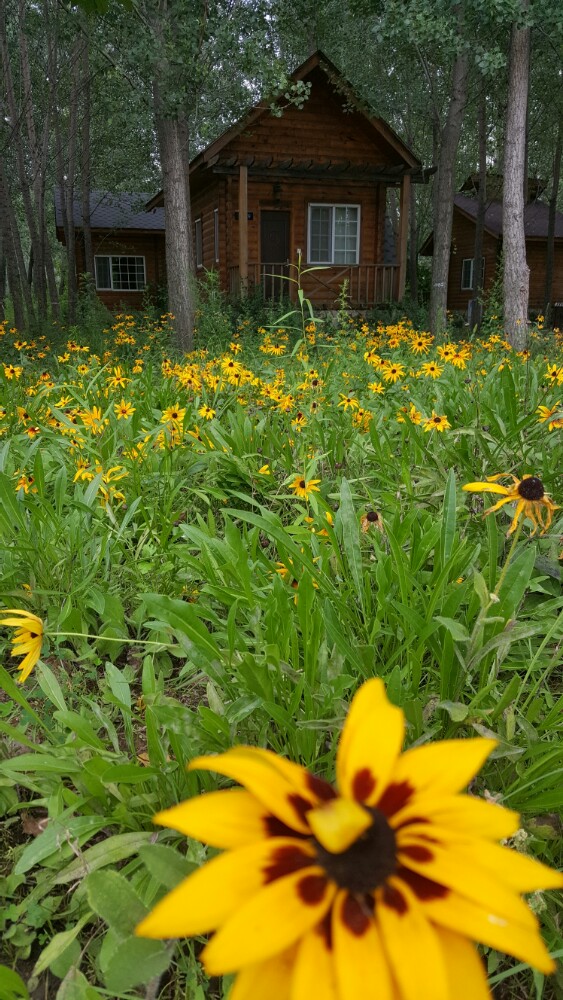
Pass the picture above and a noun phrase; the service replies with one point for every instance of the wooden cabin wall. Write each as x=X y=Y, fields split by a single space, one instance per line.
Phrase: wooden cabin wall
x=536 y=256
x=463 y=247
x=148 y=245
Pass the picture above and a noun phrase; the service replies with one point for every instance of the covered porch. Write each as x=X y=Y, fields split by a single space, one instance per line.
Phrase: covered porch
x=367 y=285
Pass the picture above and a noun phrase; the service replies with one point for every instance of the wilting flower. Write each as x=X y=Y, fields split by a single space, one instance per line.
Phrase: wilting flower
x=372 y=890
x=371 y=519
x=303 y=487
x=529 y=495
x=27 y=639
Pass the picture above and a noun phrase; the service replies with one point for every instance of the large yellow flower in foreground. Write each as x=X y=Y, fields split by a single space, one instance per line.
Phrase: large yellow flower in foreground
x=375 y=890
x=27 y=639
x=529 y=495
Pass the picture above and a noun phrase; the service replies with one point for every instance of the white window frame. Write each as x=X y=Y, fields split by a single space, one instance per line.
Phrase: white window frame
x=333 y=206
x=469 y=287
x=216 y=234
x=198 y=240
x=119 y=256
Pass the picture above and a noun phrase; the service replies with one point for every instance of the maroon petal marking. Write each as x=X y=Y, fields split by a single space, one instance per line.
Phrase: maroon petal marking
x=394 y=899
x=395 y=797
x=363 y=784
x=285 y=860
x=354 y=916
x=311 y=889
x=424 y=888
x=411 y=822
x=321 y=788
x=416 y=852
x=277 y=828
x=324 y=928
x=301 y=805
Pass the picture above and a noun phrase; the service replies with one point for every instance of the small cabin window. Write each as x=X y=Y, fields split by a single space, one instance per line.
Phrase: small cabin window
x=334 y=234
x=198 y=244
x=467 y=273
x=216 y=234
x=120 y=274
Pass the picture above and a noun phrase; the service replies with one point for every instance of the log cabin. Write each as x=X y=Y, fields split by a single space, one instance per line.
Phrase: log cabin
x=462 y=252
x=128 y=245
x=306 y=181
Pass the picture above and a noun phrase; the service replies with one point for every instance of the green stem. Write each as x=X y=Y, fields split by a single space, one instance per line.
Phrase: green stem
x=479 y=622
x=109 y=638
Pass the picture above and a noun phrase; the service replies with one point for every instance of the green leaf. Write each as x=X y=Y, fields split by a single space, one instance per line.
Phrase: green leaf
x=58 y=832
x=348 y=520
x=57 y=945
x=137 y=961
x=165 y=864
x=114 y=900
x=12 y=987
x=456 y=711
x=457 y=631
x=81 y=727
x=50 y=686
x=108 y=852
x=447 y=532
x=515 y=582
x=76 y=987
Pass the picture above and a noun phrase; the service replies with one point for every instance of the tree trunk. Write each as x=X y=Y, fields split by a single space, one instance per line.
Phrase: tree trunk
x=15 y=267
x=444 y=200
x=478 y=259
x=550 y=253
x=86 y=163
x=174 y=156
x=516 y=270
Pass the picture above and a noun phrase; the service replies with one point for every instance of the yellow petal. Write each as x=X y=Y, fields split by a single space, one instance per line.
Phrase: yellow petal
x=27 y=615
x=27 y=665
x=484 y=924
x=459 y=814
x=412 y=945
x=519 y=872
x=281 y=786
x=464 y=967
x=208 y=897
x=270 y=921
x=486 y=487
x=370 y=743
x=314 y=968
x=338 y=823
x=442 y=768
x=229 y=818
x=461 y=872
x=362 y=969
x=266 y=980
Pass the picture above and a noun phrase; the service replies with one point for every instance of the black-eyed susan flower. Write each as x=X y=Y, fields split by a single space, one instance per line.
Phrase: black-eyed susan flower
x=436 y=422
x=27 y=639
x=547 y=414
x=527 y=493
x=371 y=519
x=376 y=889
x=123 y=410
x=303 y=487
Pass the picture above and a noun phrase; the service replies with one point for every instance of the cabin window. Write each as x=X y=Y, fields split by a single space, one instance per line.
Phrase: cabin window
x=216 y=234
x=334 y=234
x=467 y=273
x=198 y=244
x=120 y=274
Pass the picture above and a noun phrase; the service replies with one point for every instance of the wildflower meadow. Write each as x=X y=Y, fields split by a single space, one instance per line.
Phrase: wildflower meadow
x=280 y=561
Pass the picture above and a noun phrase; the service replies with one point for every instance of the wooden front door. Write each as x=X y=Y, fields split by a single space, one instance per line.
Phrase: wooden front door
x=274 y=253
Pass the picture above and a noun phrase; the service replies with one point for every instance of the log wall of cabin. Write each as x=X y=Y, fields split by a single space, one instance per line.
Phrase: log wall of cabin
x=149 y=245
x=536 y=256
x=463 y=247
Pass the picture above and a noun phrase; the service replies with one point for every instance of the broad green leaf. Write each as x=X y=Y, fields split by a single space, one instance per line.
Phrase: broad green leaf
x=75 y=986
x=165 y=864
x=137 y=961
x=50 y=686
x=457 y=631
x=109 y=852
x=57 y=945
x=114 y=900
x=12 y=986
x=77 y=828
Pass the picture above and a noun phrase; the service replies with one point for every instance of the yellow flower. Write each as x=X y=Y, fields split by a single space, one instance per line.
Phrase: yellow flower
x=123 y=410
x=431 y=370
x=366 y=890
x=302 y=487
x=264 y=470
x=348 y=400
x=376 y=387
x=547 y=413
x=207 y=412
x=27 y=640
x=173 y=415
x=436 y=423
x=529 y=495
x=391 y=373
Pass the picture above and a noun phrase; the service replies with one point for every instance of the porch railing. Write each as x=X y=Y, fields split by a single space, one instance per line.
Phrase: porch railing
x=368 y=284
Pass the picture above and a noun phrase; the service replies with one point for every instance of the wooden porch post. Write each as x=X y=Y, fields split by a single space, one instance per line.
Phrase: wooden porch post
x=403 y=231
x=243 y=229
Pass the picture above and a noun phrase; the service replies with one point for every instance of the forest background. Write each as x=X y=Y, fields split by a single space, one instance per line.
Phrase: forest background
x=119 y=96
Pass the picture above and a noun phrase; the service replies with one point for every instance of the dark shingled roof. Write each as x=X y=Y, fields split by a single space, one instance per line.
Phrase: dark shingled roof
x=114 y=211
x=536 y=214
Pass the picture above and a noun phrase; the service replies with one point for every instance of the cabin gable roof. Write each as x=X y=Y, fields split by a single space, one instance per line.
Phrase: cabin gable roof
x=114 y=212
x=536 y=220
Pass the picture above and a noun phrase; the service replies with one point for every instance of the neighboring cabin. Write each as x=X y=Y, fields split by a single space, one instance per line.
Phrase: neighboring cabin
x=128 y=245
x=460 y=277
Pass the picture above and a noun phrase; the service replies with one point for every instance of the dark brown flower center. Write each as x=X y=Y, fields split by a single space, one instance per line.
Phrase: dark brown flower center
x=367 y=863
x=372 y=516
x=531 y=488
x=302 y=484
